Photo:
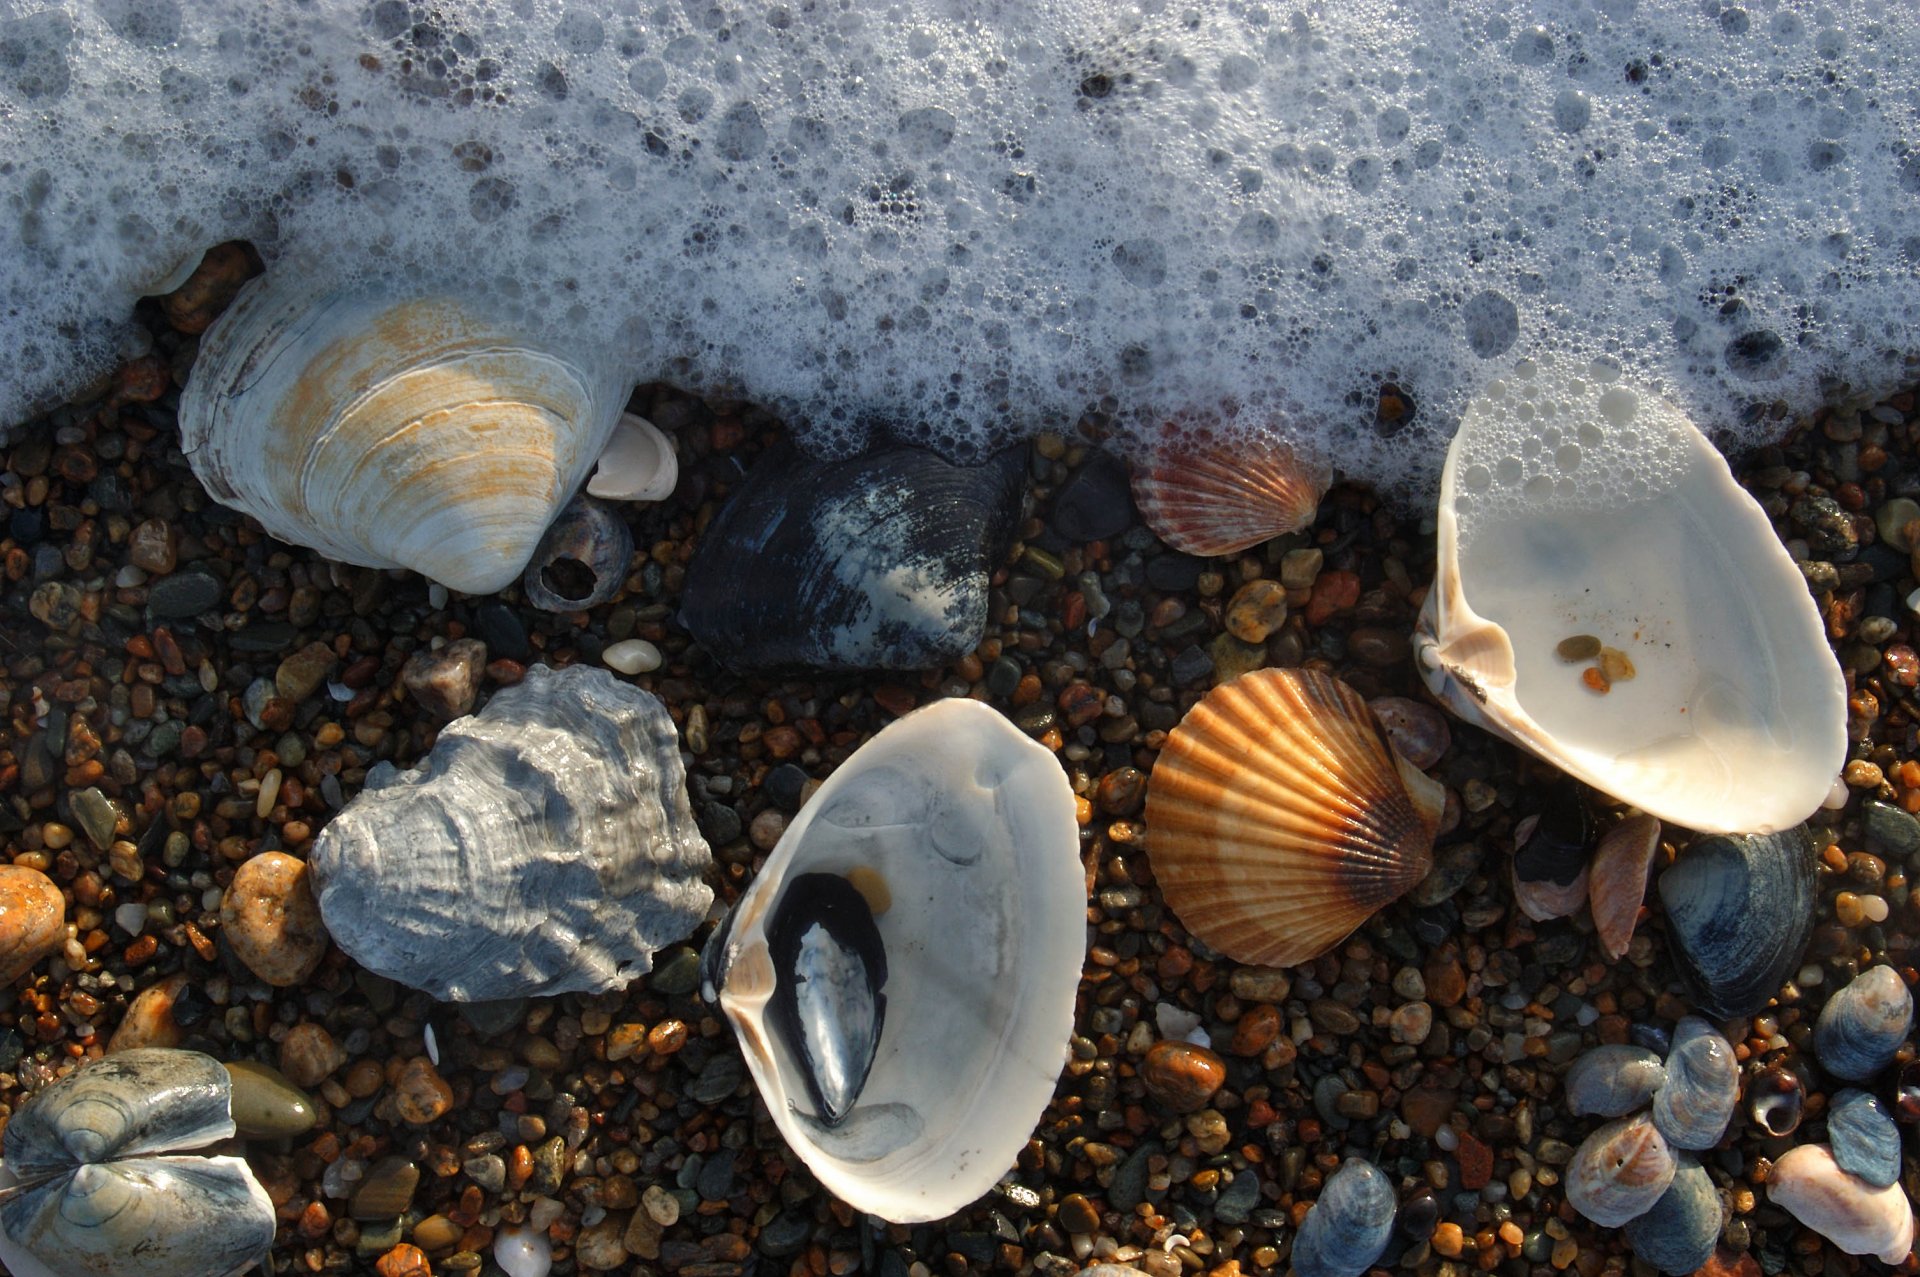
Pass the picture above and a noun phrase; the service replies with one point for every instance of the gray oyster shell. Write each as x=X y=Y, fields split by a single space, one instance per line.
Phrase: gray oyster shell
x=545 y=846
x=1613 y=1080
x=93 y=1194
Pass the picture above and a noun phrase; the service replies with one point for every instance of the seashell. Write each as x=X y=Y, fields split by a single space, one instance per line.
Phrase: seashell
x=1617 y=880
x=1703 y=1084
x=89 y=1191
x=1220 y=497
x=901 y=974
x=1739 y=912
x=1776 y=1099
x=1279 y=819
x=545 y=846
x=1612 y=1081
x=1575 y=509
x=1417 y=731
x=1846 y=1210
x=639 y=463
x=1620 y=1171
x=876 y=562
x=394 y=432
x=582 y=559
x=1862 y=1026
x=1864 y=1138
x=1349 y=1226
x=1551 y=848
x=1678 y=1233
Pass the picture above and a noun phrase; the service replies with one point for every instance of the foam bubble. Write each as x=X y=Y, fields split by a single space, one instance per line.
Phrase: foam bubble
x=963 y=228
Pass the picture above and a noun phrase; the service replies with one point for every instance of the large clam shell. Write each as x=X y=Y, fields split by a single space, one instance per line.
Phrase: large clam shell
x=94 y=1193
x=1576 y=510
x=1846 y=1210
x=1279 y=818
x=394 y=431
x=901 y=974
x=1739 y=913
x=1220 y=497
x=545 y=846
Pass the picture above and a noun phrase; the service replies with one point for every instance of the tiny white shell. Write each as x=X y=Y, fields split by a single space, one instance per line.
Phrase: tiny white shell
x=638 y=465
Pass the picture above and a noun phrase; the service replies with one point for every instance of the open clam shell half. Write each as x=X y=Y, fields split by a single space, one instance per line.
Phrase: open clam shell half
x=901 y=974
x=1609 y=598
x=395 y=431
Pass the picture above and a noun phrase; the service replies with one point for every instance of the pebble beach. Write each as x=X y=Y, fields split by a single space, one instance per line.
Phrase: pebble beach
x=188 y=701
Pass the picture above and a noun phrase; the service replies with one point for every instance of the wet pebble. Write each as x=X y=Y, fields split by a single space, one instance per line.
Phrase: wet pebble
x=96 y=815
x=271 y=920
x=1862 y=1026
x=385 y=1191
x=266 y=1105
x=631 y=656
x=299 y=675
x=421 y=1095
x=1864 y=1138
x=446 y=682
x=149 y=1020
x=523 y=1252
x=184 y=594
x=1182 y=1076
x=309 y=1055
x=33 y=920
x=1096 y=501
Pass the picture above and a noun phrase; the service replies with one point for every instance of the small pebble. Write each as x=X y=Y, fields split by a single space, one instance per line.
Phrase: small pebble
x=1182 y=1076
x=271 y=920
x=631 y=656
x=445 y=683
x=421 y=1095
x=266 y=1105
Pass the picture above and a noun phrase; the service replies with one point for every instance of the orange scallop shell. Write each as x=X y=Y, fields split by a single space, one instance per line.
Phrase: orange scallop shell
x=1220 y=498
x=1277 y=818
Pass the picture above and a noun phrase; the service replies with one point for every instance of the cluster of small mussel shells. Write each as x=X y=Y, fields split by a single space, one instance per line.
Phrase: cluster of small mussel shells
x=906 y=1059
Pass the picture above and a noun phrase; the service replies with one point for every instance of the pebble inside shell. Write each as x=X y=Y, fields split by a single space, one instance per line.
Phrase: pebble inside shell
x=901 y=974
x=1576 y=509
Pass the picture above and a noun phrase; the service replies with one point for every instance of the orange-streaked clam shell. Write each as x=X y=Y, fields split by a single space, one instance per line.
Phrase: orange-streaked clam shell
x=1221 y=497
x=1277 y=818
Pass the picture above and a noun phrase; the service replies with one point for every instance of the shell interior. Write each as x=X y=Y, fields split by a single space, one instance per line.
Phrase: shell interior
x=901 y=973
x=1574 y=510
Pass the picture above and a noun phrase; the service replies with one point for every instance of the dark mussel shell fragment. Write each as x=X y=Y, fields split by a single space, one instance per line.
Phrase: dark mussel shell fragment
x=581 y=561
x=1351 y=1224
x=1678 y=1233
x=1863 y=1137
x=1862 y=1026
x=1703 y=1085
x=878 y=562
x=830 y=969
x=1551 y=850
x=1739 y=911
x=1776 y=1098
x=1613 y=1080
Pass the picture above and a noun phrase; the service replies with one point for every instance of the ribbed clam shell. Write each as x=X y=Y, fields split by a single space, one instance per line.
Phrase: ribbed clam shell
x=1613 y=1080
x=1277 y=819
x=1703 y=1084
x=1846 y=1210
x=1349 y=1226
x=1861 y=1027
x=1220 y=498
x=394 y=431
x=1620 y=1171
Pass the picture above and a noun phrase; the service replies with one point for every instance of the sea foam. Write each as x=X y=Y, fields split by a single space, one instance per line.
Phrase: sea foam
x=966 y=222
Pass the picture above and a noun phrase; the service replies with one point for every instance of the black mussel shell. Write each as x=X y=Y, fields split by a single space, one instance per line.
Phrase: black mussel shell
x=581 y=561
x=830 y=967
x=1560 y=842
x=1740 y=908
x=878 y=562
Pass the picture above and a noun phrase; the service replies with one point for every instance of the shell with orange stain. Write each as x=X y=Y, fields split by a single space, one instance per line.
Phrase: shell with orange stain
x=1279 y=818
x=1211 y=498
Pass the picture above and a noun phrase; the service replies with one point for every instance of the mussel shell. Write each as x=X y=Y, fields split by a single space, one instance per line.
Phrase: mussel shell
x=582 y=559
x=1678 y=1233
x=1740 y=909
x=1703 y=1085
x=1861 y=1027
x=876 y=562
x=1864 y=1138
x=1620 y=1171
x=1776 y=1099
x=1843 y=1208
x=1613 y=1080
x=1349 y=1226
x=830 y=968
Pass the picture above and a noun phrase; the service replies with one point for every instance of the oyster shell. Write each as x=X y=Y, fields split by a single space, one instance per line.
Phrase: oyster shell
x=94 y=1192
x=1846 y=1210
x=1279 y=818
x=394 y=431
x=1620 y=1171
x=901 y=974
x=1575 y=510
x=545 y=846
x=1220 y=497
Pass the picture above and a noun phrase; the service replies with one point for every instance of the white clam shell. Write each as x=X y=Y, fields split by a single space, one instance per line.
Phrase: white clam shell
x=1843 y=1208
x=638 y=465
x=1574 y=507
x=394 y=431
x=959 y=832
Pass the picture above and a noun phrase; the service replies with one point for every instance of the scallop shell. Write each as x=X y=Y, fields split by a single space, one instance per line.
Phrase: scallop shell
x=1862 y=1025
x=1349 y=1226
x=1735 y=715
x=545 y=846
x=1222 y=497
x=1279 y=818
x=901 y=974
x=394 y=431
x=1620 y=1171
x=1846 y=1210
x=93 y=1193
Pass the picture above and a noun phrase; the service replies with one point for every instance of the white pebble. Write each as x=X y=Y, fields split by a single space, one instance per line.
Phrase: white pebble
x=544 y=1211
x=1174 y=1021
x=1447 y=1138
x=131 y=918
x=437 y=595
x=129 y=576
x=1913 y=603
x=1810 y=976
x=523 y=1252
x=632 y=656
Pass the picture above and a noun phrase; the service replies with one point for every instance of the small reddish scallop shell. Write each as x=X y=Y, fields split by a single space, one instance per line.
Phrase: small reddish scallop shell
x=1221 y=497
x=1278 y=819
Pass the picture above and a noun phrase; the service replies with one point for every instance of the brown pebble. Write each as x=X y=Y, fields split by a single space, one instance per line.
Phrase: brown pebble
x=151 y=547
x=1257 y=1029
x=1182 y=1076
x=271 y=919
x=1449 y=1240
x=1078 y=1215
x=1121 y=791
x=1379 y=646
x=436 y=1232
x=1476 y=1162
x=601 y=1247
x=667 y=1037
x=766 y=829
x=1616 y=665
x=624 y=1039
x=1256 y=610
x=149 y=1020
x=300 y=674
x=403 y=1261
x=1426 y=1107
x=1580 y=647
x=309 y=1055
x=421 y=1095
x=445 y=683
x=386 y=1190
x=33 y=920
x=1595 y=681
